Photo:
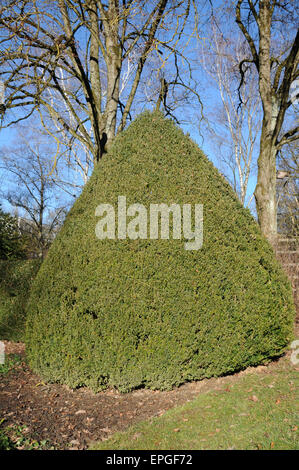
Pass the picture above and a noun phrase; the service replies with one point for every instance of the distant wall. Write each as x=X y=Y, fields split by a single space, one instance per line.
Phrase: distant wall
x=287 y=252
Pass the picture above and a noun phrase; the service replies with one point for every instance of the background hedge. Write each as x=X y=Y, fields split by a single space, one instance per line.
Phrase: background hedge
x=16 y=277
x=126 y=313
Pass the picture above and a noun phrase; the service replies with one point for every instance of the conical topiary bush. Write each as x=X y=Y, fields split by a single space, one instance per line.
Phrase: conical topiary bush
x=149 y=312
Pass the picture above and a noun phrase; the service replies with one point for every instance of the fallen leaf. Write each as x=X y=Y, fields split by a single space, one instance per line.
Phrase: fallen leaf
x=176 y=430
x=75 y=443
x=105 y=429
x=40 y=383
x=254 y=398
x=80 y=412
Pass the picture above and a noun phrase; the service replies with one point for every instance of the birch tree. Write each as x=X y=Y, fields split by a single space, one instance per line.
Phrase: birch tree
x=271 y=31
x=233 y=128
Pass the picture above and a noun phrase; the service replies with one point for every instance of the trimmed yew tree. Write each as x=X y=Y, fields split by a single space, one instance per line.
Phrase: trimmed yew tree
x=147 y=312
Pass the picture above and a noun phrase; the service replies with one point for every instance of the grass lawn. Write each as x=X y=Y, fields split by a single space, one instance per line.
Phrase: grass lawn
x=260 y=410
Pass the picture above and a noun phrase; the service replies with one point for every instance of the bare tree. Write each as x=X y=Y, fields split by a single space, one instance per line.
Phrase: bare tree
x=72 y=59
x=234 y=129
x=31 y=189
x=270 y=29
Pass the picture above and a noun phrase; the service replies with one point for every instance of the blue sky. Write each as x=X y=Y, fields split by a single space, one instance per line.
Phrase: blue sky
x=8 y=137
x=210 y=99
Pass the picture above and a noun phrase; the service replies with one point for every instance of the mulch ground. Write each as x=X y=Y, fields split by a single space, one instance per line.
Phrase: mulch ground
x=72 y=419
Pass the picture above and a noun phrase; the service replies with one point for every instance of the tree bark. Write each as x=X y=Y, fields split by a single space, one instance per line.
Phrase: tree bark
x=274 y=92
x=265 y=191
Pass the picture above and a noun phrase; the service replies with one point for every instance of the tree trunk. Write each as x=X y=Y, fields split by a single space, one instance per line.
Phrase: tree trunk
x=265 y=191
x=113 y=63
x=113 y=81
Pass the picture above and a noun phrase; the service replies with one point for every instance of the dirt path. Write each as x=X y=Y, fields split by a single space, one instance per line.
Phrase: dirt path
x=73 y=419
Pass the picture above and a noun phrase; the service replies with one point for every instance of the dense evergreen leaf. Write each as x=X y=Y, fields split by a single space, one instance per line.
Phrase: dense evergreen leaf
x=130 y=313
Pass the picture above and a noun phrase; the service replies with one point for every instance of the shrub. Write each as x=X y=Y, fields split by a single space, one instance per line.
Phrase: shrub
x=131 y=313
x=12 y=243
x=15 y=281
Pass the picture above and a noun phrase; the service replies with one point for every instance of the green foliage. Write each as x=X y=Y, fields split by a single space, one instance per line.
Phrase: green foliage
x=16 y=277
x=131 y=313
x=15 y=438
x=10 y=363
x=12 y=244
x=5 y=441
